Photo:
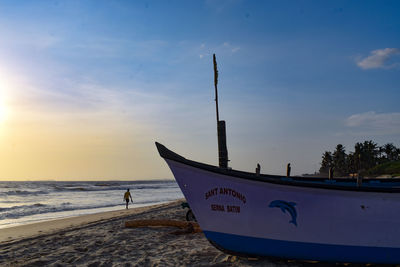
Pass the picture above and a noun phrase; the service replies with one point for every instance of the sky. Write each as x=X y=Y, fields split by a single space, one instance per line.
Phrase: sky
x=87 y=87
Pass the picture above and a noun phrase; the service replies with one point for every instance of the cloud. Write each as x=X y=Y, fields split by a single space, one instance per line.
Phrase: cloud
x=224 y=48
x=233 y=49
x=375 y=123
x=379 y=58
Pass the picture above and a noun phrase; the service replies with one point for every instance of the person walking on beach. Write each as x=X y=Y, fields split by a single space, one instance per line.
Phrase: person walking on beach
x=127 y=195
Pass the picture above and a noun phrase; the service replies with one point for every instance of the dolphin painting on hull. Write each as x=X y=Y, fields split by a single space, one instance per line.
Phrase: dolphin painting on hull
x=286 y=206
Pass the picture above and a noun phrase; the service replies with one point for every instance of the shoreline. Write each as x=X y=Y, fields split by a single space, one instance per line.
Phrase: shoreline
x=60 y=215
x=30 y=202
x=32 y=230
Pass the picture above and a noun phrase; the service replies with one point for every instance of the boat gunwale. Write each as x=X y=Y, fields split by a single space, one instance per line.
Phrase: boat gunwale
x=297 y=181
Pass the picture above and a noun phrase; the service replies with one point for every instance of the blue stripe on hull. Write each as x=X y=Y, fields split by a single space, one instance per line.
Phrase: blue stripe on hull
x=304 y=251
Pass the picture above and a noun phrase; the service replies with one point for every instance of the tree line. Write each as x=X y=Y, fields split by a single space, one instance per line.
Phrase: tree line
x=366 y=155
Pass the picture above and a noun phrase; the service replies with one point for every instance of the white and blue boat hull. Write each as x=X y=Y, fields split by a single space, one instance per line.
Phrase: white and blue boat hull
x=279 y=219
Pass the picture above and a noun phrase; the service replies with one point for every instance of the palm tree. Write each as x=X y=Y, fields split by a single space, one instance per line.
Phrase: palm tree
x=339 y=161
x=327 y=162
x=352 y=162
x=390 y=152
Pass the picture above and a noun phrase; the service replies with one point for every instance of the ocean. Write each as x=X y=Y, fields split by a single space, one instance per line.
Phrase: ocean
x=29 y=202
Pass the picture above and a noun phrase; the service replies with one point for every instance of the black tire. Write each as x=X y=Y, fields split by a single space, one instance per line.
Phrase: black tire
x=190 y=216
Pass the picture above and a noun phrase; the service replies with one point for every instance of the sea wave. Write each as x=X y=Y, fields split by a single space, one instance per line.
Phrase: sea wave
x=22 y=207
x=85 y=187
x=39 y=208
x=23 y=192
x=113 y=188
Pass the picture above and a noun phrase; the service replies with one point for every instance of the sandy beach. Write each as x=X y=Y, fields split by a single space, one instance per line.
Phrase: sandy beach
x=103 y=240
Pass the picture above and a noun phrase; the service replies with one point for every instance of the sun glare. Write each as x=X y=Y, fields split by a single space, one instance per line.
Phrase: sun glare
x=2 y=113
x=3 y=108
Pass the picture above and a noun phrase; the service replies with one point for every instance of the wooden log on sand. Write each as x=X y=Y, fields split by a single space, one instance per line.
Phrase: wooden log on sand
x=192 y=227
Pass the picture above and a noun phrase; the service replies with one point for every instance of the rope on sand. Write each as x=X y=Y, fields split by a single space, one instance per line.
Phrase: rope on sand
x=189 y=227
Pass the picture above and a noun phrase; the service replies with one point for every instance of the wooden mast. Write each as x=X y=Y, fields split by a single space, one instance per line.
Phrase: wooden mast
x=221 y=130
x=216 y=85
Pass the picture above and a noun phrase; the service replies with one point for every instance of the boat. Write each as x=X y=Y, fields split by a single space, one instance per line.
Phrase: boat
x=300 y=218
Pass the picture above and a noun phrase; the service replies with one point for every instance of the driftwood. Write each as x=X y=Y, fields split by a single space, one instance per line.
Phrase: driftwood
x=189 y=227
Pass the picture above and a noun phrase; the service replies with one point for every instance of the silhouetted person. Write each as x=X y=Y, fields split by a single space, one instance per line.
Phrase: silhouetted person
x=330 y=173
x=258 y=169
x=127 y=195
x=288 y=170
